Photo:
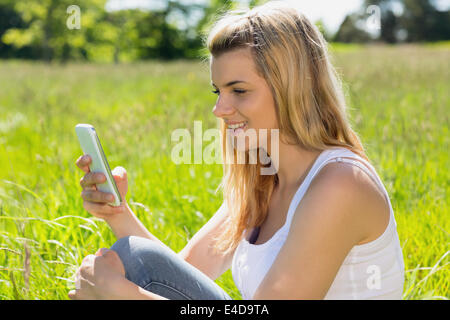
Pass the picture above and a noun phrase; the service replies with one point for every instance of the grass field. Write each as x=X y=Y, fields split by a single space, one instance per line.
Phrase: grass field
x=398 y=101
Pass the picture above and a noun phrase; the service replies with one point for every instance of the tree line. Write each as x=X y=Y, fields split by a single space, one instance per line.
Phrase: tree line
x=40 y=29
x=399 y=21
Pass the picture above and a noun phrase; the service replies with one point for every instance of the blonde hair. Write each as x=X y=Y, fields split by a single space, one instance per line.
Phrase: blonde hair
x=291 y=54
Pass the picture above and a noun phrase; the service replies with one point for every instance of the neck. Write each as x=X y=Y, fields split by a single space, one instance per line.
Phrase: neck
x=293 y=165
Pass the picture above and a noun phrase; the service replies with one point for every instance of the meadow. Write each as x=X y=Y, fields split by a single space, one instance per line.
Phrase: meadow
x=398 y=103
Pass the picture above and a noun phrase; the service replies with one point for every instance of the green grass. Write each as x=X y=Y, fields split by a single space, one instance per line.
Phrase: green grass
x=398 y=103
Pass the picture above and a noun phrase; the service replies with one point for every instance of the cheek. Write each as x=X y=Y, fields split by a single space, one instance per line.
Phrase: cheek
x=267 y=114
x=274 y=120
x=259 y=112
x=267 y=110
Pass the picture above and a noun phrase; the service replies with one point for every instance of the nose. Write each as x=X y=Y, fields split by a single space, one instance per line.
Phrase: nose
x=223 y=109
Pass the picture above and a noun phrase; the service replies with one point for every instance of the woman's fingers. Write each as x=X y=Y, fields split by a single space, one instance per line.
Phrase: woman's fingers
x=92 y=178
x=97 y=196
x=75 y=294
x=83 y=162
x=72 y=295
x=77 y=280
x=95 y=201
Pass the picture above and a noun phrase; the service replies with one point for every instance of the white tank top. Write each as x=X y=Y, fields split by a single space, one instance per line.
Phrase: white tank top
x=373 y=270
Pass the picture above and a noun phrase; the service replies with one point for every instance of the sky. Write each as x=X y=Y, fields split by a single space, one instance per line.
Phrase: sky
x=331 y=12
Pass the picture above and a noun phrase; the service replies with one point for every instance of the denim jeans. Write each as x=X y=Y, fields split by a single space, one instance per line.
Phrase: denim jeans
x=161 y=271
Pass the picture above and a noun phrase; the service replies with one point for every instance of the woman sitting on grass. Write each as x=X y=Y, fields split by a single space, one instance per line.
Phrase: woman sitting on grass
x=320 y=227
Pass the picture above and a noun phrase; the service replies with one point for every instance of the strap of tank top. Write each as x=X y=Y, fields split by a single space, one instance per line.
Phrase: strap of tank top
x=369 y=170
x=364 y=165
x=338 y=155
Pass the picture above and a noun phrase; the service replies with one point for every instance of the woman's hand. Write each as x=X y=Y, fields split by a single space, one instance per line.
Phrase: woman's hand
x=100 y=276
x=96 y=202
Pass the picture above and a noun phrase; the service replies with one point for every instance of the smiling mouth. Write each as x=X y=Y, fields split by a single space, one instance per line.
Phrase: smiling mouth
x=238 y=129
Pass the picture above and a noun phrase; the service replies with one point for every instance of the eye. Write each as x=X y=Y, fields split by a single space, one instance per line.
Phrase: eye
x=240 y=91
x=235 y=91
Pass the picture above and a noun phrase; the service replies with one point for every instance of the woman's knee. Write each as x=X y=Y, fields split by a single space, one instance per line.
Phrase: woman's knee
x=137 y=254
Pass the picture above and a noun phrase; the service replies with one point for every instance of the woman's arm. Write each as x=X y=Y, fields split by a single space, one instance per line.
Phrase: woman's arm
x=340 y=209
x=199 y=251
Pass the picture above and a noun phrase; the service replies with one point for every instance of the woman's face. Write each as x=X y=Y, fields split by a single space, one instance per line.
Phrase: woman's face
x=244 y=97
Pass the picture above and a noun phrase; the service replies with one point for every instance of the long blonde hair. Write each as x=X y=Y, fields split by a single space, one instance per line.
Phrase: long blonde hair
x=291 y=54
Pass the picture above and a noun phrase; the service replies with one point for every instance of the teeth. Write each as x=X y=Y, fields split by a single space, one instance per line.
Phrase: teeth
x=238 y=125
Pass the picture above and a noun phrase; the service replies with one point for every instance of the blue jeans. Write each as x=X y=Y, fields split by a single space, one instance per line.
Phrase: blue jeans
x=161 y=271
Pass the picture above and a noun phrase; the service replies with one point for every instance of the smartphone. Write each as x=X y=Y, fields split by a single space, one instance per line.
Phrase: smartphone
x=90 y=144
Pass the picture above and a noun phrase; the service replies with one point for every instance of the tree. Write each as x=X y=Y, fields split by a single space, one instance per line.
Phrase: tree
x=349 y=30
x=115 y=36
x=423 y=22
x=420 y=20
x=9 y=18
x=168 y=33
x=47 y=29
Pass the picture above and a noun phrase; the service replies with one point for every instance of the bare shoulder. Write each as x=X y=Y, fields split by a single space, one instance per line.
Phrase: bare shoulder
x=349 y=188
x=346 y=175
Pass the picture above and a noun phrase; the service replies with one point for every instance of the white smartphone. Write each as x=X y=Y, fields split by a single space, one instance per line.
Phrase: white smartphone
x=90 y=144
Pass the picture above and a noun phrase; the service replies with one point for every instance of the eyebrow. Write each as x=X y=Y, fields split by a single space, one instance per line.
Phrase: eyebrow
x=230 y=83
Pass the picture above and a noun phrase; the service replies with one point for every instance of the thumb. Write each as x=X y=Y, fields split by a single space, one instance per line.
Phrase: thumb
x=120 y=172
x=120 y=176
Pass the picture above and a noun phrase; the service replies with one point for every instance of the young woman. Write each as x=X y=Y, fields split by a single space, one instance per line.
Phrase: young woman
x=321 y=227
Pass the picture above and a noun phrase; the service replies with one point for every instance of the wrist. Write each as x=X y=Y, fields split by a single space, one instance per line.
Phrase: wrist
x=119 y=217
